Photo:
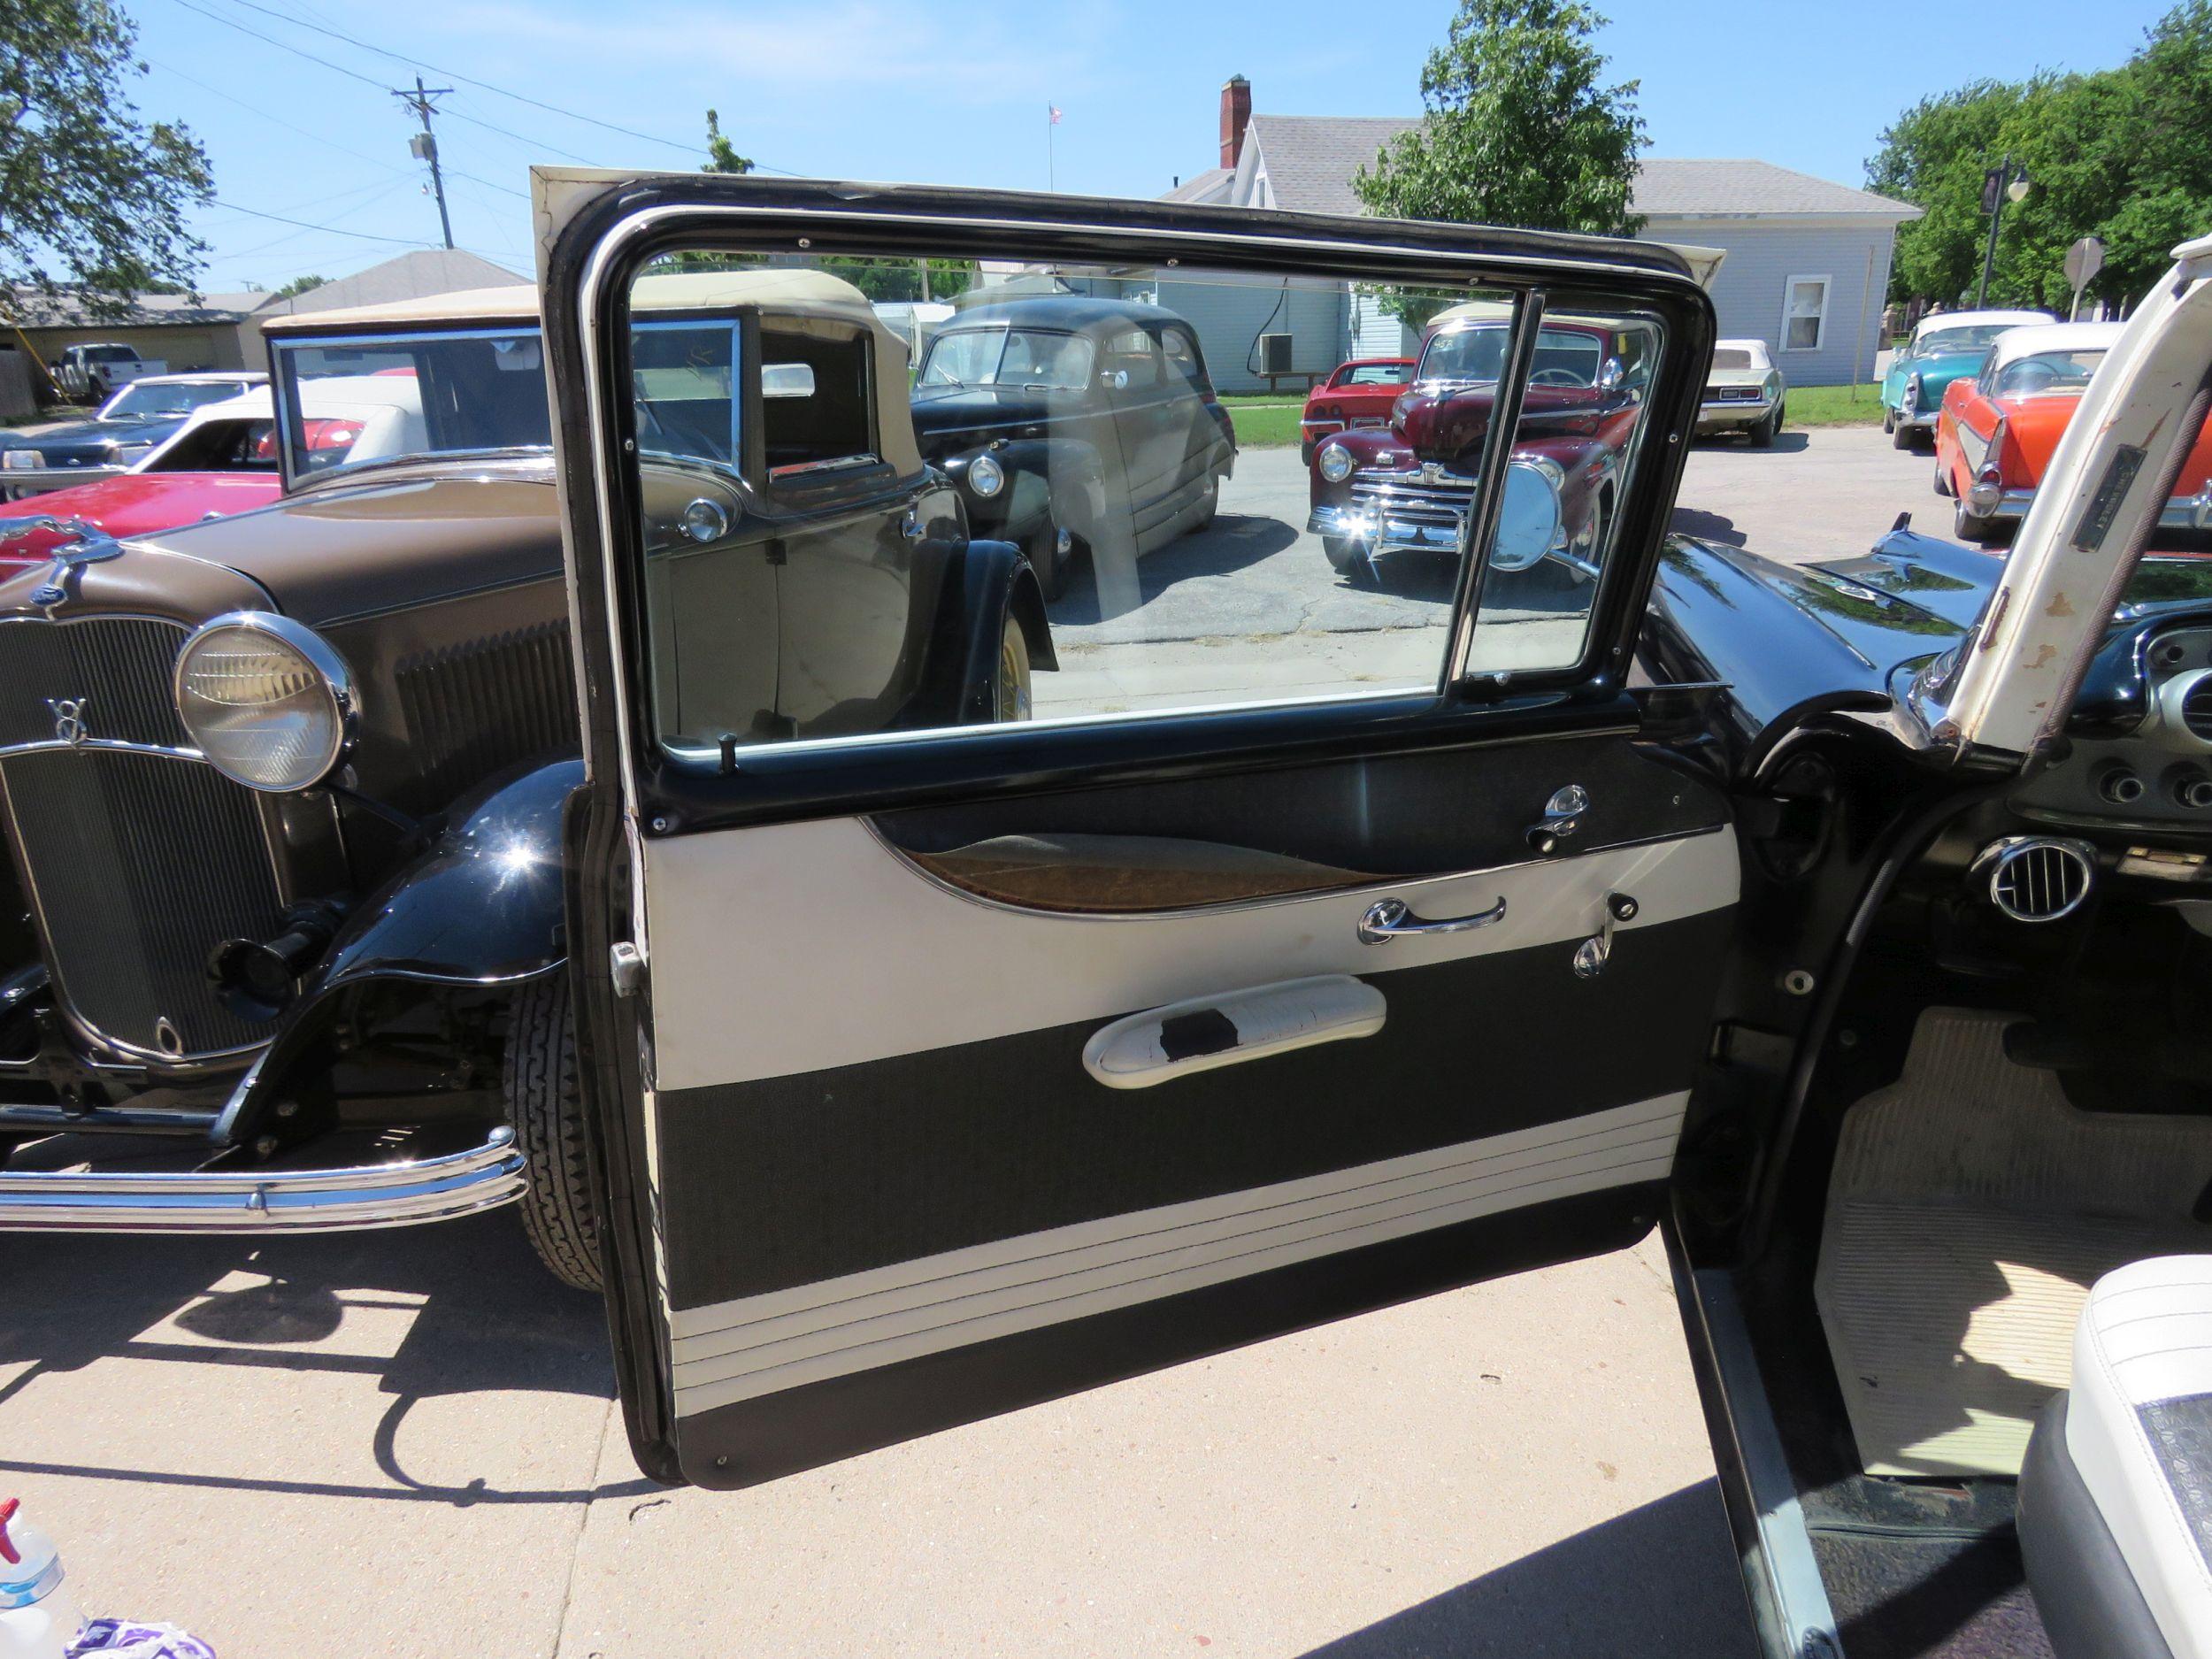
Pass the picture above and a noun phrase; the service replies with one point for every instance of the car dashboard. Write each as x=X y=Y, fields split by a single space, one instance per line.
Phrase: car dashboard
x=2140 y=754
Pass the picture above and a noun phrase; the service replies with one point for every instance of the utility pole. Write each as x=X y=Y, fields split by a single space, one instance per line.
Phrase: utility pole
x=424 y=145
x=2000 y=183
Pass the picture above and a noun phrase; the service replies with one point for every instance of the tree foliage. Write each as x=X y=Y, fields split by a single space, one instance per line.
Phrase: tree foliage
x=298 y=285
x=722 y=155
x=2123 y=154
x=90 y=196
x=1519 y=128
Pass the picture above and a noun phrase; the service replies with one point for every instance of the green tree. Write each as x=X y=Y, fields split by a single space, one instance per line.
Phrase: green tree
x=91 y=197
x=902 y=279
x=2124 y=155
x=722 y=155
x=298 y=285
x=1519 y=129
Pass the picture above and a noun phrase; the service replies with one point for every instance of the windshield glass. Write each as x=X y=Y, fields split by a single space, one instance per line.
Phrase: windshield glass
x=2048 y=372
x=1376 y=374
x=1008 y=356
x=1476 y=354
x=149 y=400
x=1975 y=337
x=1727 y=358
x=420 y=395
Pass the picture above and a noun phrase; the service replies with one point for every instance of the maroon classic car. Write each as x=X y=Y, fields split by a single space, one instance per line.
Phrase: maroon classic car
x=1357 y=395
x=1405 y=487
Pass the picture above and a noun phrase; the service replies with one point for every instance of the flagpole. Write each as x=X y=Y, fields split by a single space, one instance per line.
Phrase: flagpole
x=1052 y=173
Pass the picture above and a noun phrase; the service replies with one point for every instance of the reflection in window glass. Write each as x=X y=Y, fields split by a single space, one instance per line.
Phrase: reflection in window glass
x=1087 y=497
x=1582 y=422
x=461 y=391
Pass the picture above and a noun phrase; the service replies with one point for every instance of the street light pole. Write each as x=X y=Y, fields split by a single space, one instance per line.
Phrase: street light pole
x=1998 y=183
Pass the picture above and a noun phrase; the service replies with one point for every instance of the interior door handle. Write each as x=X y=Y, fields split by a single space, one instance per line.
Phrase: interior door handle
x=1394 y=918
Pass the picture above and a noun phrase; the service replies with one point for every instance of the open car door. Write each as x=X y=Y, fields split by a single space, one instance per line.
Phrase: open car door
x=1121 y=987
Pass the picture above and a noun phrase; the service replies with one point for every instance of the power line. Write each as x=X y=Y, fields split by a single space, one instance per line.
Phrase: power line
x=359 y=235
x=287 y=126
x=519 y=98
x=285 y=46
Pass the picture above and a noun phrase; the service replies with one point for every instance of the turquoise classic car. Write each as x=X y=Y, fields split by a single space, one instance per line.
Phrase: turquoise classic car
x=1945 y=346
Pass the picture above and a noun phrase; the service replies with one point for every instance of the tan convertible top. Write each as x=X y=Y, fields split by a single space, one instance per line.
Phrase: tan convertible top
x=801 y=301
x=517 y=303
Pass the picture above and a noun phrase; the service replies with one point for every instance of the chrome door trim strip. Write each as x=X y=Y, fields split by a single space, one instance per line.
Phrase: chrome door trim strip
x=785 y=1338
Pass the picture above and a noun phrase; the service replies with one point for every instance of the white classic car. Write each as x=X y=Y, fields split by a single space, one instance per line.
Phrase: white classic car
x=1743 y=393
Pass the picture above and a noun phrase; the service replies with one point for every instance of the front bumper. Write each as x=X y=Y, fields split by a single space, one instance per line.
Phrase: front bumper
x=267 y=1201
x=1378 y=532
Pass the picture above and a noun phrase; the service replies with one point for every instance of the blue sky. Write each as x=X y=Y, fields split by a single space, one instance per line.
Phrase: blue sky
x=957 y=95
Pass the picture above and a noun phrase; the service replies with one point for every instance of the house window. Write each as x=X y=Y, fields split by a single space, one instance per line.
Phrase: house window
x=1804 y=312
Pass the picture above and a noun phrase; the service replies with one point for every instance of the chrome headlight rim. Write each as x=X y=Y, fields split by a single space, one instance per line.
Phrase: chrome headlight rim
x=316 y=652
x=987 y=478
x=1910 y=401
x=1334 y=462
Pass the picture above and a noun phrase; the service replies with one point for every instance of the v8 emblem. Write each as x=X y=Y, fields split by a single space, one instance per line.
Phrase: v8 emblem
x=71 y=724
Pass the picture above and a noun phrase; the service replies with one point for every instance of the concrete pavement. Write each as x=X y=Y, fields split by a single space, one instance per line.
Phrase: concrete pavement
x=402 y=1444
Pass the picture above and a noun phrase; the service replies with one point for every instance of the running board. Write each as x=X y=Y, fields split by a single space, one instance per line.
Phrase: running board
x=394 y=1194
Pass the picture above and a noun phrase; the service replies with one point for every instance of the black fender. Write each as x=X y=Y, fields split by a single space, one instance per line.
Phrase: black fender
x=481 y=908
x=1049 y=480
x=983 y=583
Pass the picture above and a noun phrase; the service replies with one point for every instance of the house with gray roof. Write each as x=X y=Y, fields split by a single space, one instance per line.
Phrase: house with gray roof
x=1806 y=266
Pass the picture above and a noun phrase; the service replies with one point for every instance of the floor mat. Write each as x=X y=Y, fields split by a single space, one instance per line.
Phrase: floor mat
x=1970 y=1208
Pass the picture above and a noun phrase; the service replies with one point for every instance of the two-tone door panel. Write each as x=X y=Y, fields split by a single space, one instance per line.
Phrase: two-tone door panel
x=1303 y=948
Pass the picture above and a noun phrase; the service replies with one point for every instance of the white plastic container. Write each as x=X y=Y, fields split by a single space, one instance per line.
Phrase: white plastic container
x=38 y=1617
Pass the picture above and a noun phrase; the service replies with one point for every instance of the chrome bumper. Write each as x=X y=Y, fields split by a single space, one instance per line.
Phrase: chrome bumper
x=270 y=1201
x=1919 y=420
x=1732 y=414
x=2183 y=512
x=1379 y=533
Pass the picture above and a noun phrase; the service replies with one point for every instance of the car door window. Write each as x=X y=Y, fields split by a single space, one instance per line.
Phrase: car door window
x=1097 y=461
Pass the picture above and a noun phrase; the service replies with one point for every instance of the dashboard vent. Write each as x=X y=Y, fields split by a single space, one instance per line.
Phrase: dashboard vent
x=2196 y=709
x=2037 y=879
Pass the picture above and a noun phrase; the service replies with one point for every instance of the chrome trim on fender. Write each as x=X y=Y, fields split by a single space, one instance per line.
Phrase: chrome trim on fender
x=271 y=1201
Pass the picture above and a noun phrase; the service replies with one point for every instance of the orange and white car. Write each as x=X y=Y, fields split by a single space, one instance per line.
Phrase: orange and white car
x=1996 y=431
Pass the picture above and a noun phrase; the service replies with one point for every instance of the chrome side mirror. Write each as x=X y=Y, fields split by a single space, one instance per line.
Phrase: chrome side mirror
x=1613 y=376
x=1530 y=516
x=1116 y=379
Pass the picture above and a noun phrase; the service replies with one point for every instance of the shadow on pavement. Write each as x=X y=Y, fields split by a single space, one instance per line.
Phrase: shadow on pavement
x=1233 y=542
x=1706 y=527
x=1785 y=442
x=484 y=1317
x=1660 y=1579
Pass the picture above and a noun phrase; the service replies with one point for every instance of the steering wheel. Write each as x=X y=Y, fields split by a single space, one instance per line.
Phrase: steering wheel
x=1556 y=376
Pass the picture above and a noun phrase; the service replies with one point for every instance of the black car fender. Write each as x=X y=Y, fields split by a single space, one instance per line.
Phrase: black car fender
x=1070 y=470
x=983 y=583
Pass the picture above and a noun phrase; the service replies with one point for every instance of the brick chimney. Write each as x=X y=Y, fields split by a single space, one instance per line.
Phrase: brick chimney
x=1236 y=115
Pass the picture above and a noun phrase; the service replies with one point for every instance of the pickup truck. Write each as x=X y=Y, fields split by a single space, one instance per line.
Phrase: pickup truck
x=91 y=372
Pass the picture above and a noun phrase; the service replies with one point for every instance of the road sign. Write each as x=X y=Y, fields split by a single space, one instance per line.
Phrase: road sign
x=2083 y=260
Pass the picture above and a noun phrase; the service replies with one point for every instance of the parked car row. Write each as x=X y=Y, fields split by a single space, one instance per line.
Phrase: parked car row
x=125 y=430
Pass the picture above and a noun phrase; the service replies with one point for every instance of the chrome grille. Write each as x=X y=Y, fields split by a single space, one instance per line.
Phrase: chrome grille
x=137 y=862
x=1439 y=501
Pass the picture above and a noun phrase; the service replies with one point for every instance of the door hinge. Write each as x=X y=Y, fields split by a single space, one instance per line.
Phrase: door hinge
x=626 y=966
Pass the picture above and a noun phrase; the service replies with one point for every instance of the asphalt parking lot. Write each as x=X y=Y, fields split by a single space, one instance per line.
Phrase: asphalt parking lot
x=402 y=1443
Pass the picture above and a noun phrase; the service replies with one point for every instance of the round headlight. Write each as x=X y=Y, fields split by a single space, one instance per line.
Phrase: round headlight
x=1335 y=462
x=267 y=701
x=986 y=476
x=1911 y=399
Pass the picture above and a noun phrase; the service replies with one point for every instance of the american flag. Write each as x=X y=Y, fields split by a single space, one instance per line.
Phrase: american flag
x=1055 y=113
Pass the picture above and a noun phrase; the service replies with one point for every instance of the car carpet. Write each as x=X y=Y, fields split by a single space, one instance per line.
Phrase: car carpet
x=1970 y=1207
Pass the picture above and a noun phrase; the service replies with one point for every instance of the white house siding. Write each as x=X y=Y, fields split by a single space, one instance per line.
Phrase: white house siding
x=1749 y=290
x=1375 y=332
x=1230 y=315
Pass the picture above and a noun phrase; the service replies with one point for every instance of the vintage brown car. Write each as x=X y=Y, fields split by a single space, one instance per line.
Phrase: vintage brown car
x=283 y=791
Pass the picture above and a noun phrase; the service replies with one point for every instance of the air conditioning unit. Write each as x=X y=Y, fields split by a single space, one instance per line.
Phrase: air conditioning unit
x=1275 y=354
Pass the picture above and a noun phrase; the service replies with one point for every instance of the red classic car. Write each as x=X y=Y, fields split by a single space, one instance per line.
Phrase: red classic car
x=223 y=460
x=1356 y=395
x=1406 y=487
x=1995 y=432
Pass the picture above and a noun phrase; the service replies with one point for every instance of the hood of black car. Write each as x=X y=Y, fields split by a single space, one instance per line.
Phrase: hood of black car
x=944 y=412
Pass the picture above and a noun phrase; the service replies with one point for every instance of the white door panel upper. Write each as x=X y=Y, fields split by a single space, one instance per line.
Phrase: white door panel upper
x=863 y=956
